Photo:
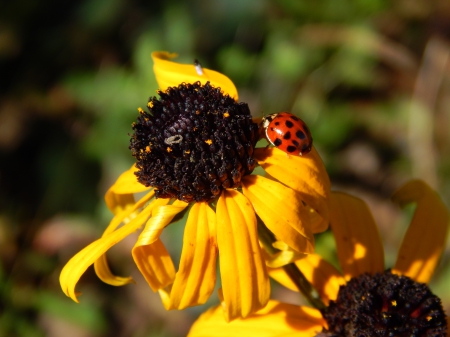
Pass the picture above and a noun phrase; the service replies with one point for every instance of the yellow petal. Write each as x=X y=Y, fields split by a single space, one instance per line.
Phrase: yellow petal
x=164 y=293
x=149 y=254
x=172 y=74
x=284 y=257
x=322 y=275
x=120 y=194
x=244 y=277
x=78 y=264
x=318 y=223
x=276 y=319
x=281 y=210
x=425 y=239
x=305 y=174
x=196 y=277
x=358 y=242
x=155 y=264
x=101 y=264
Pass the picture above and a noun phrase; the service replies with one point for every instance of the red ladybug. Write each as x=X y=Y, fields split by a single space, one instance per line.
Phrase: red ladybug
x=288 y=133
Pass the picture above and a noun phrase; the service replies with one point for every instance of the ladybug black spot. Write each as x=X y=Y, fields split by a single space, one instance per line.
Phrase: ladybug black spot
x=300 y=134
x=277 y=123
x=294 y=118
x=291 y=148
x=289 y=124
x=287 y=135
x=297 y=144
x=277 y=142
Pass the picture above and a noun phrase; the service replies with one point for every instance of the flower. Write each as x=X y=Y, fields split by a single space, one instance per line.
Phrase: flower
x=195 y=152
x=363 y=299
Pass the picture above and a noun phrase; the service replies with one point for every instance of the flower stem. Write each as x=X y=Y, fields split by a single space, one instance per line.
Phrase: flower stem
x=267 y=239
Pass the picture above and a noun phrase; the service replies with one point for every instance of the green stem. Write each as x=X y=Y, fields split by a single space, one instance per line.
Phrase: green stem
x=267 y=239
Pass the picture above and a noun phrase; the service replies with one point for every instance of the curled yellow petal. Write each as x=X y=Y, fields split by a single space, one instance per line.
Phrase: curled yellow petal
x=155 y=264
x=196 y=277
x=245 y=283
x=172 y=74
x=276 y=319
x=426 y=236
x=120 y=194
x=282 y=211
x=305 y=174
x=101 y=264
x=78 y=264
x=149 y=254
x=359 y=246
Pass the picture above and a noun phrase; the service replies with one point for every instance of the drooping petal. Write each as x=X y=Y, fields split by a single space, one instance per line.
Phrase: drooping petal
x=359 y=246
x=78 y=264
x=196 y=277
x=426 y=236
x=276 y=319
x=171 y=74
x=244 y=277
x=321 y=274
x=281 y=210
x=101 y=264
x=149 y=253
x=305 y=174
x=120 y=194
x=155 y=264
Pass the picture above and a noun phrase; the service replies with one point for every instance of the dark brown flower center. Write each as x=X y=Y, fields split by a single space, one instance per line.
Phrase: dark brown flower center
x=385 y=305
x=194 y=142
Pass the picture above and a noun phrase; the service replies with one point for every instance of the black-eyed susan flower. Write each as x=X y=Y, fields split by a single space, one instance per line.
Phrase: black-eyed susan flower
x=363 y=300
x=195 y=151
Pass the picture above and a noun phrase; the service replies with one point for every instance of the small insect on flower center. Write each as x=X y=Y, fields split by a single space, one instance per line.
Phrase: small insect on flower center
x=193 y=142
x=385 y=304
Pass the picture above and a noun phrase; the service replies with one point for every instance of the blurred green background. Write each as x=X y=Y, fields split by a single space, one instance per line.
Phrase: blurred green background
x=370 y=77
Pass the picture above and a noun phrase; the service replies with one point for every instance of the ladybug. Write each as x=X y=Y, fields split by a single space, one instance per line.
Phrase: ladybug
x=287 y=133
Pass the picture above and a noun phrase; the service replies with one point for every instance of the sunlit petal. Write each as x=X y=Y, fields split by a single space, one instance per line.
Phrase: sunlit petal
x=78 y=264
x=101 y=264
x=359 y=245
x=149 y=254
x=155 y=264
x=120 y=194
x=171 y=74
x=325 y=278
x=244 y=277
x=321 y=274
x=285 y=256
x=425 y=239
x=276 y=319
x=281 y=210
x=305 y=174
x=196 y=277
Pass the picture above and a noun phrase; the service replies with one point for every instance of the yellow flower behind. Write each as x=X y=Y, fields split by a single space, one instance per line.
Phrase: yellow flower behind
x=359 y=251
x=291 y=199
